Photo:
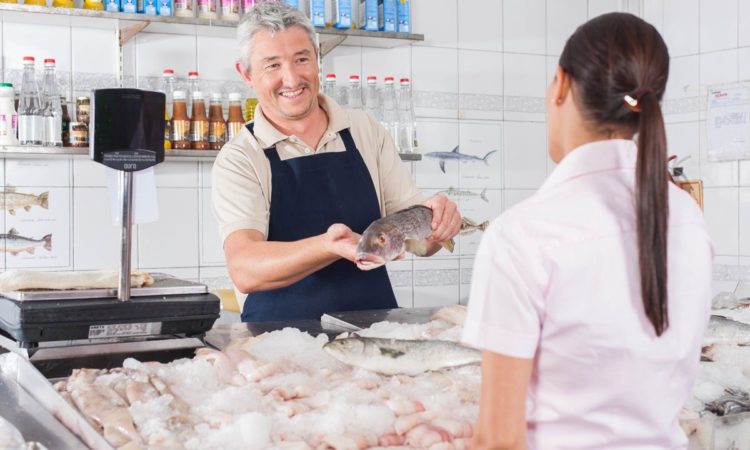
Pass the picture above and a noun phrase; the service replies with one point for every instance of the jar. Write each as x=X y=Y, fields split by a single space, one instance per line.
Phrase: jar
x=82 y=109
x=79 y=135
x=8 y=115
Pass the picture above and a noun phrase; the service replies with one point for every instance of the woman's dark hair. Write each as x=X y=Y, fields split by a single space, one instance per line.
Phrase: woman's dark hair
x=608 y=58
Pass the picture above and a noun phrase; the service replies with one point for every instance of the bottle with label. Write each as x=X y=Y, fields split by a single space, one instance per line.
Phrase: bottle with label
x=390 y=109
x=96 y=5
x=354 y=94
x=230 y=10
x=250 y=104
x=407 y=130
x=52 y=110
x=30 y=118
x=217 y=127
x=372 y=98
x=329 y=85
x=65 y=122
x=206 y=9
x=180 y=122
x=194 y=85
x=183 y=8
x=61 y=4
x=8 y=116
x=168 y=89
x=235 y=121
x=199 y=124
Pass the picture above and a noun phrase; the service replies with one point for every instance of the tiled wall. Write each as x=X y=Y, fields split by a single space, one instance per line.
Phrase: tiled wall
x=479 y=80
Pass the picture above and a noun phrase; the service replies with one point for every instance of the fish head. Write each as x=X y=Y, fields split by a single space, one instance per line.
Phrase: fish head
x=380 y=243
x=345 y=349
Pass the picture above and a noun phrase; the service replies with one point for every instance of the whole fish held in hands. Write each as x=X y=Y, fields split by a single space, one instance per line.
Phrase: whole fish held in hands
x=454 y=155
x=387 y=238
x=395 y=356
x=10 y=200
x=15 y=243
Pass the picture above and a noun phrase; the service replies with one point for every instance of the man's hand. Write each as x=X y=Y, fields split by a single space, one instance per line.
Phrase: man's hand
x=446 y=221
x=341 y=241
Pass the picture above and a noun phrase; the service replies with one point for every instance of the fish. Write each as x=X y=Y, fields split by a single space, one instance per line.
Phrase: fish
x=468 y=226
x=453 y=192
x=733 y=401
x=387 y=238
x=10 y=200
x=407 y=357
x=454 y=155
x=726 y=331
x=15 y=243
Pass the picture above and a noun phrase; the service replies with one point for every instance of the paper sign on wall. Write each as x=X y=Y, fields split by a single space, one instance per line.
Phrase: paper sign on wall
x=728 y=123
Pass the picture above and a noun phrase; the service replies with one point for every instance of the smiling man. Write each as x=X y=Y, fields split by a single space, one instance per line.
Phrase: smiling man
x=295 y=189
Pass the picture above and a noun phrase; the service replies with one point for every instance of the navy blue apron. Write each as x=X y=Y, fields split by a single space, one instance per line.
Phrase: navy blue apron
x=308 y=195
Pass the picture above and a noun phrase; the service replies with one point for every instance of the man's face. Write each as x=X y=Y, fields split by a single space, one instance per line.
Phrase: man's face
x=284 y=74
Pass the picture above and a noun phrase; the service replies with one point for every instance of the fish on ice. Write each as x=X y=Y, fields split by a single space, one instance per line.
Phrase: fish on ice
x=10 y=200
x=468 y=226
x=453 y=192
x=726 y=331
x=395 y=356
x=387 y=238
x=733 y=401
x=15 y=243
x=455 y=155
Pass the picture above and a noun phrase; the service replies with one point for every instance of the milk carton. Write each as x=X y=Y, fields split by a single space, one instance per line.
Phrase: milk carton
x=316 y=10
x=403 y=13
x=164 y=7
x=387 y=13
x=341 y=14
x=369 y=15
x=112 y=5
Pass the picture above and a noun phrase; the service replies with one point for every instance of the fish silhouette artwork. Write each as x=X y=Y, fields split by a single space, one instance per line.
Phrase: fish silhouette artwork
x=455 y=155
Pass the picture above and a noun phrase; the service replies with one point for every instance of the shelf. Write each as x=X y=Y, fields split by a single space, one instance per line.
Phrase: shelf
x=29 y=152
x=131 y=24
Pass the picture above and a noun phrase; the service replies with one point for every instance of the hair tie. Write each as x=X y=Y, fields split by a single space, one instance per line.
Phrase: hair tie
x=632 y=101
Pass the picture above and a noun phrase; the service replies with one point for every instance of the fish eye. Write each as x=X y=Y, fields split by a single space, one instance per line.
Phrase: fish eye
x=381 y=239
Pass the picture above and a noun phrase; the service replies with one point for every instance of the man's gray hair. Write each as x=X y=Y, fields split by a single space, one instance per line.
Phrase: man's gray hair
x=272 y=17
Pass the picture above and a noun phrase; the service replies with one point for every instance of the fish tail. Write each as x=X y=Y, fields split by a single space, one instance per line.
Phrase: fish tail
x=487 y=156
x=483 y=195
x=483 y=226
x=43 y=200
x=47 y=242
x=449 y=245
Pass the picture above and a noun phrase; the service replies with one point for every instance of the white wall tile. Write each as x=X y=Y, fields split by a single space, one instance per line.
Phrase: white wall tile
x=177 y=174
x=216 y=58
x=718 y=67
x=480 y=25
x=562 y=20
x=744 y=221
x=435 y=69
x=718 y=29
x=512 y=197
x=436 y=136
x=96 y=241
x=599 y=7
x=47 y=38
x=479 y=139
x=683 y=140
x=156 y=52
x=466 y=266
x=37 y=172
x=523 y=27
x=720 y=206
x=210 y=241
x=94 y=50
x=525 y=155
x=524 y=75
x=204 y=174
x=436 y=19
x=653 y=13
x=435 y=282
x=744 y=23
x=172 y=241
x=681 y=24
x=744 y=62
x=383 y=62
x=89 y=173
x=684 y=77
x=480 y=72
x=343 y=60
x=715 y=174
x=401 y=274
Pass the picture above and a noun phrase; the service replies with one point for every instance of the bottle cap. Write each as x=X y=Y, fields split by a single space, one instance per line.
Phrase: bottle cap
x=168 y=72
x=192 y=74
x=331 y=76
x=178 y=95
x=235 y=96
x=216 y=96
x=353 y=77
x=405 y=81
x=28 y=59
x=197 y=95
x=49 y=61
x=372 y=79
x=388 y=80
x=6 y=85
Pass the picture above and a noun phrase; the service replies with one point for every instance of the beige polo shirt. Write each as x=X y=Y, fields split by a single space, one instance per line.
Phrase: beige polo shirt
x=241 y=192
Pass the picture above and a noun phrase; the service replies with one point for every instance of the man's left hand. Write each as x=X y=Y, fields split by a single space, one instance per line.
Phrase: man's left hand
x=446 y=220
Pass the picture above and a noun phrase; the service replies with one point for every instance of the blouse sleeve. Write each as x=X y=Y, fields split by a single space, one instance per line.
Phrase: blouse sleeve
x=506 y=303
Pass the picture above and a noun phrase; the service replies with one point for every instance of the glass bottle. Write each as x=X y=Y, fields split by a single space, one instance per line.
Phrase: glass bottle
x=52 y=109
x=230 y=10
x=206 y=9
x=354 y=97
x=65 y=122
x=329 y=86
x=407 y=131
x=235 y=121
x=199 y=123
x=168 y=89
x=372 y=98
x=8 y=115
x=390 y=109
x=194 y=85
x=30 y=118
x=180 y=122
x=217 y=127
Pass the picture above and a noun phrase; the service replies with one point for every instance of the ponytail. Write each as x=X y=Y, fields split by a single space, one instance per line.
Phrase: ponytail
x=652 y=210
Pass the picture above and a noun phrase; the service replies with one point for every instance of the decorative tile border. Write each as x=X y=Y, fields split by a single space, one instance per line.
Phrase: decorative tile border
x=683 y=105
x=435 y=100
x=727 y=272
x=479 y=102
x=525 y=104
x=466 y=276
x=401 y=278
x=438 y=277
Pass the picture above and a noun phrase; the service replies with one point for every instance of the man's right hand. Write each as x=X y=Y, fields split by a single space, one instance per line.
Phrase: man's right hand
x=342 y=241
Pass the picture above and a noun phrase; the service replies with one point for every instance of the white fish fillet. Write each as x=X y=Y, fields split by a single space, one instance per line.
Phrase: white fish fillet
x=16 y=280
